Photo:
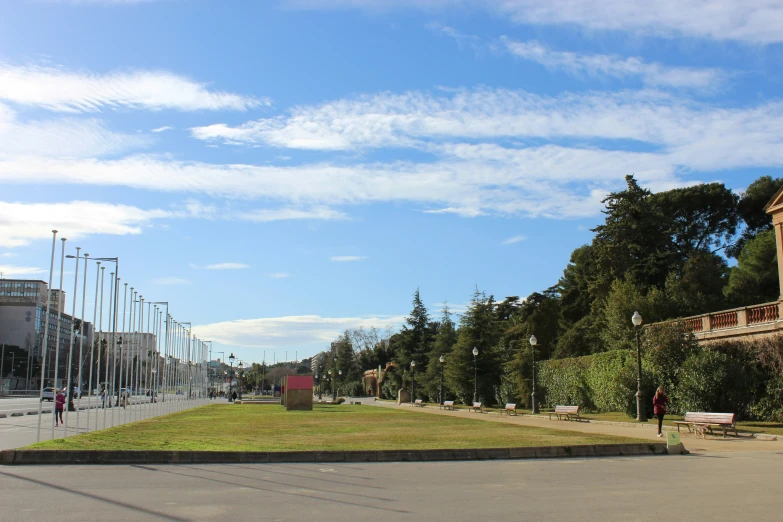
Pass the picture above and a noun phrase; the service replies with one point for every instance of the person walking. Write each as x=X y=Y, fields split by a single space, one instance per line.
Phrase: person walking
x=59 y=404
x=660 y=401
x=103 y=399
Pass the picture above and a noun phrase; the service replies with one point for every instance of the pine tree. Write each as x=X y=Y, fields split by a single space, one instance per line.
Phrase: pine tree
x=443 y=344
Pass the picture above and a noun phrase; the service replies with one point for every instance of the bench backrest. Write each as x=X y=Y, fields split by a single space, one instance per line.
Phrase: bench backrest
x=712 y=418
x=477 y=405
x=448 y=403
x=511 y=406
x=417 y=401
x=567 y=409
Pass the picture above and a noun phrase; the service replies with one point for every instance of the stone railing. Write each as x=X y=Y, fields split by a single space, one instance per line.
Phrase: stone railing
x=737 y=318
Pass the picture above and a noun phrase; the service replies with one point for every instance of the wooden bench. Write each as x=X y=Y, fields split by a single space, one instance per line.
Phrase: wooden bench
x=509 y=409
x=701 y=421
x=476 y=407
x=567 y=412
x=419 y=403
x=447 y=405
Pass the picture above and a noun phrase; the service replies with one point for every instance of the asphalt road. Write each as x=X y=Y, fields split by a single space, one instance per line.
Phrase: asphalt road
x=742 y=486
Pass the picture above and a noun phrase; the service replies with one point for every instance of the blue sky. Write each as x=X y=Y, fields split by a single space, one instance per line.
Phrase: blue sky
x=281 y=170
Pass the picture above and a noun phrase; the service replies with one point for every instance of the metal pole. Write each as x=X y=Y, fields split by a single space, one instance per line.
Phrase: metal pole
x=100 y=346
x=475 y=381
x=440 y=396
x=109 y=392
x=69 y=367
x=57 y=339
x=81 y=340
x=533 y=394
x=92 y=345
x=639 y=416
x=45 y=343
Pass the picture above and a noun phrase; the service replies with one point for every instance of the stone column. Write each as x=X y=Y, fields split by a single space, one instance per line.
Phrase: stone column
x=775 y=209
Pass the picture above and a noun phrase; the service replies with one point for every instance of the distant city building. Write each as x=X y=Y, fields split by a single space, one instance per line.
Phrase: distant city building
x=22 y=312
x=133 y=343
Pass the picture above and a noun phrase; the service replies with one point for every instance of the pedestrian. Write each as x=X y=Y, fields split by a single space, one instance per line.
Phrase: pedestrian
x=103 y=398
x=660 y=401
x=234 y=395
x=59 y=404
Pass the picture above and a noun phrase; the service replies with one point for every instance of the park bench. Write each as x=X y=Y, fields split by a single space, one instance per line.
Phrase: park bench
x=476 y=407
x=447 y=405
x=701 y=421
x=509 y=409
x=567 y=412
x=419 y=403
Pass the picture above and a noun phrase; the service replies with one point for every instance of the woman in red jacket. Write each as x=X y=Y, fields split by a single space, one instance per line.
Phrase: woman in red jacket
x=59 y=405
x=660 y=401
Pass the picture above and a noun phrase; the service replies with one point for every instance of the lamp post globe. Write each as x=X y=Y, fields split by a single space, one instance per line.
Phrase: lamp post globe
x=533 y=343
x=442 y=360
x=636 y=319
x=475 y=375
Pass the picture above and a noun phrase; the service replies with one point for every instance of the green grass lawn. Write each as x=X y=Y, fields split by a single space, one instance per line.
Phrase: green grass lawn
x=223 y=427
x=774 y=428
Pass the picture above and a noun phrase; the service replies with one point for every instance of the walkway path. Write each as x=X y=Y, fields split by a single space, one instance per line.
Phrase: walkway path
x=691 y=443
x=16 y=432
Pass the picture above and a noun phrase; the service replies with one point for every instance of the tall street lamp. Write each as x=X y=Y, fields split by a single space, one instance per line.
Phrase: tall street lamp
x=339 y=376
x=413 y=380
x=440 y=396
x=320 y=376
x=231 y=378
x=637 y=323
x=533 y=342
x=239 y=382
x=475 y=375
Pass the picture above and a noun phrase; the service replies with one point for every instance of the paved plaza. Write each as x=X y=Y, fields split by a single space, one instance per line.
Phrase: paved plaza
x=735 y=479
x=729 y=486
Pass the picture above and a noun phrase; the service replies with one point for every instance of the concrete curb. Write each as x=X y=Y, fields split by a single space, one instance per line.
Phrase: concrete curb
x=30 y=457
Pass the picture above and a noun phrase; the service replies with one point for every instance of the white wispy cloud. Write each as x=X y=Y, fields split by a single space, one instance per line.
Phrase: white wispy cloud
x=650 y=73
x=757 y=21
x=321 y=213
x=11 y=270
x=227 y=266
x=172 y=281
x=514 y=239
x=279 y=275
x=347 y=259
x=7 y=254
x=468 y=175
x=162 y=129
x=21 y=223
x=63 y=137
x=290 y=331
x=61 y=90
x=417 y=119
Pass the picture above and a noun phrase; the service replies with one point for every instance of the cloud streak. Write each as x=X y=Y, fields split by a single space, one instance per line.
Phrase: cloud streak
x=22 y=223
x=346 y=259
x=756 y=22
x=651 y=74
x=289 y=331
x=66 y=91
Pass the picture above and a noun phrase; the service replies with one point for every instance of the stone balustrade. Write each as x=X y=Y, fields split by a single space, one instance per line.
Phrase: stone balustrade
x=748 y=320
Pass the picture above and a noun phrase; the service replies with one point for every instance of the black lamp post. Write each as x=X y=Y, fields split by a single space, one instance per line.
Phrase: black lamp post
x=440 y=396
x=320 y=377
x=637 y=323
x=533 y=342
x=339 y=375
x=413 y=380
x=239 y=381
x=475 y=375
x=231 y=378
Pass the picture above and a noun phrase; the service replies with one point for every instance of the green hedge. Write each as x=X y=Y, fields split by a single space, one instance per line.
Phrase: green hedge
x=730 y=376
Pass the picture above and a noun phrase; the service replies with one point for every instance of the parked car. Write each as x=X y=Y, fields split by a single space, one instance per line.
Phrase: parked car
x=47 y=395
